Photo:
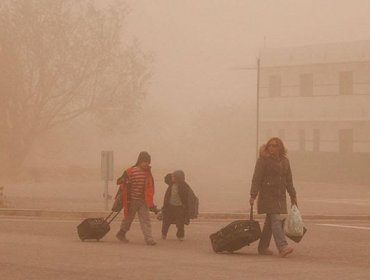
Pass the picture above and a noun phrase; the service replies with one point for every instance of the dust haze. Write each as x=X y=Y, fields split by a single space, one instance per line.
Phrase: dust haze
x=199 y=113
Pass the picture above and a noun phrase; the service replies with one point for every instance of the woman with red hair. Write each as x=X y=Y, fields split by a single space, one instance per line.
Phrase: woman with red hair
x=272 y=178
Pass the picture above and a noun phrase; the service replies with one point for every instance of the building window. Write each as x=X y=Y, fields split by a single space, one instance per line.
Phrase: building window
x=306 y=85
x=346 y=83
x=345 y=141
x=302 y=140
x=316 y=140
x=274 y=86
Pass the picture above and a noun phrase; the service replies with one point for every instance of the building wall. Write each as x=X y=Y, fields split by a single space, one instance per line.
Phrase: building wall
x=321 y=107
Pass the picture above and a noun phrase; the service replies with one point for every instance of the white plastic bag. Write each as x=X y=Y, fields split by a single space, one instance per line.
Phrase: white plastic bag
x=293 y=225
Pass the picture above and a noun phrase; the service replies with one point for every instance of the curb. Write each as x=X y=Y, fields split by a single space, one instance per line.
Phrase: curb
x=203 y=215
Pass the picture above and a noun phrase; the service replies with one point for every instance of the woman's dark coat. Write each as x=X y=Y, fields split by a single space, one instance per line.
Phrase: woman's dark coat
x=272 y=178
x=183 y=193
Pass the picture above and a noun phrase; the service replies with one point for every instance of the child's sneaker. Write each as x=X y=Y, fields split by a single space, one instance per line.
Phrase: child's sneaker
x=121 y=236
x=150 y=242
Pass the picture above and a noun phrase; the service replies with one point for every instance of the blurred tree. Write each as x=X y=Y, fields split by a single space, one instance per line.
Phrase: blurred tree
x=60 y=59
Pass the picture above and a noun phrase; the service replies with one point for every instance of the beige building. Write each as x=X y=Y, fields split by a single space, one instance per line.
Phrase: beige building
x=317 y=99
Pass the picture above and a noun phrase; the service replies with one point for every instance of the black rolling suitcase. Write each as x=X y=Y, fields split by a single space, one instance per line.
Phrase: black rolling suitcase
x=236 y=235
x=95 y=228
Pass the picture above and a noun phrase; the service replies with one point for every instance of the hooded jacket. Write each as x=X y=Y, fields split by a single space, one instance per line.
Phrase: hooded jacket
x=272 y=178
x=184 y=189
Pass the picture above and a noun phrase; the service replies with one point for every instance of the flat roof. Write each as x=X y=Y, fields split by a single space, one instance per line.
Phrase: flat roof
x=355 y=51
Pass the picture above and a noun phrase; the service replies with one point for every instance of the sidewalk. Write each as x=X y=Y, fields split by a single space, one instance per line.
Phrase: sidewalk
x=202 y=216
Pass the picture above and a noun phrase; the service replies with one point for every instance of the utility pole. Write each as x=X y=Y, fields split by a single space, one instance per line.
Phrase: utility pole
x=258 y=106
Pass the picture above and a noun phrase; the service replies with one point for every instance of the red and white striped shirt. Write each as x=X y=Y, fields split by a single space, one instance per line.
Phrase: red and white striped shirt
x=137 y=180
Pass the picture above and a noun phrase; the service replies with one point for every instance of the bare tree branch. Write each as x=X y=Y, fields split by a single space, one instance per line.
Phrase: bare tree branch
x=60 y=59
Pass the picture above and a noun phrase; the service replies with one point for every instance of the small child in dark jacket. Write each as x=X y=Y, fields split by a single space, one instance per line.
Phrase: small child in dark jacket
x=175 y=204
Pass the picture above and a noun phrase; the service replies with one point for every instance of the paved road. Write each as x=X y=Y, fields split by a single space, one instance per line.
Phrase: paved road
x=41 y=249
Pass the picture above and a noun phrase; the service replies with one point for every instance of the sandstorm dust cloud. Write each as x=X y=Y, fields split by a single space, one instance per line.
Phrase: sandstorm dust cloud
x=199 y=111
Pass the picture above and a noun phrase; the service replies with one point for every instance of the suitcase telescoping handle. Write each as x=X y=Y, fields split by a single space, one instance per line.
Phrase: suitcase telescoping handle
x=111 y=213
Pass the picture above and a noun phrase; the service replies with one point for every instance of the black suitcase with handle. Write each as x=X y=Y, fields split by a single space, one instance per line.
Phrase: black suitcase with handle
x=236 y=235
x=95 y=228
